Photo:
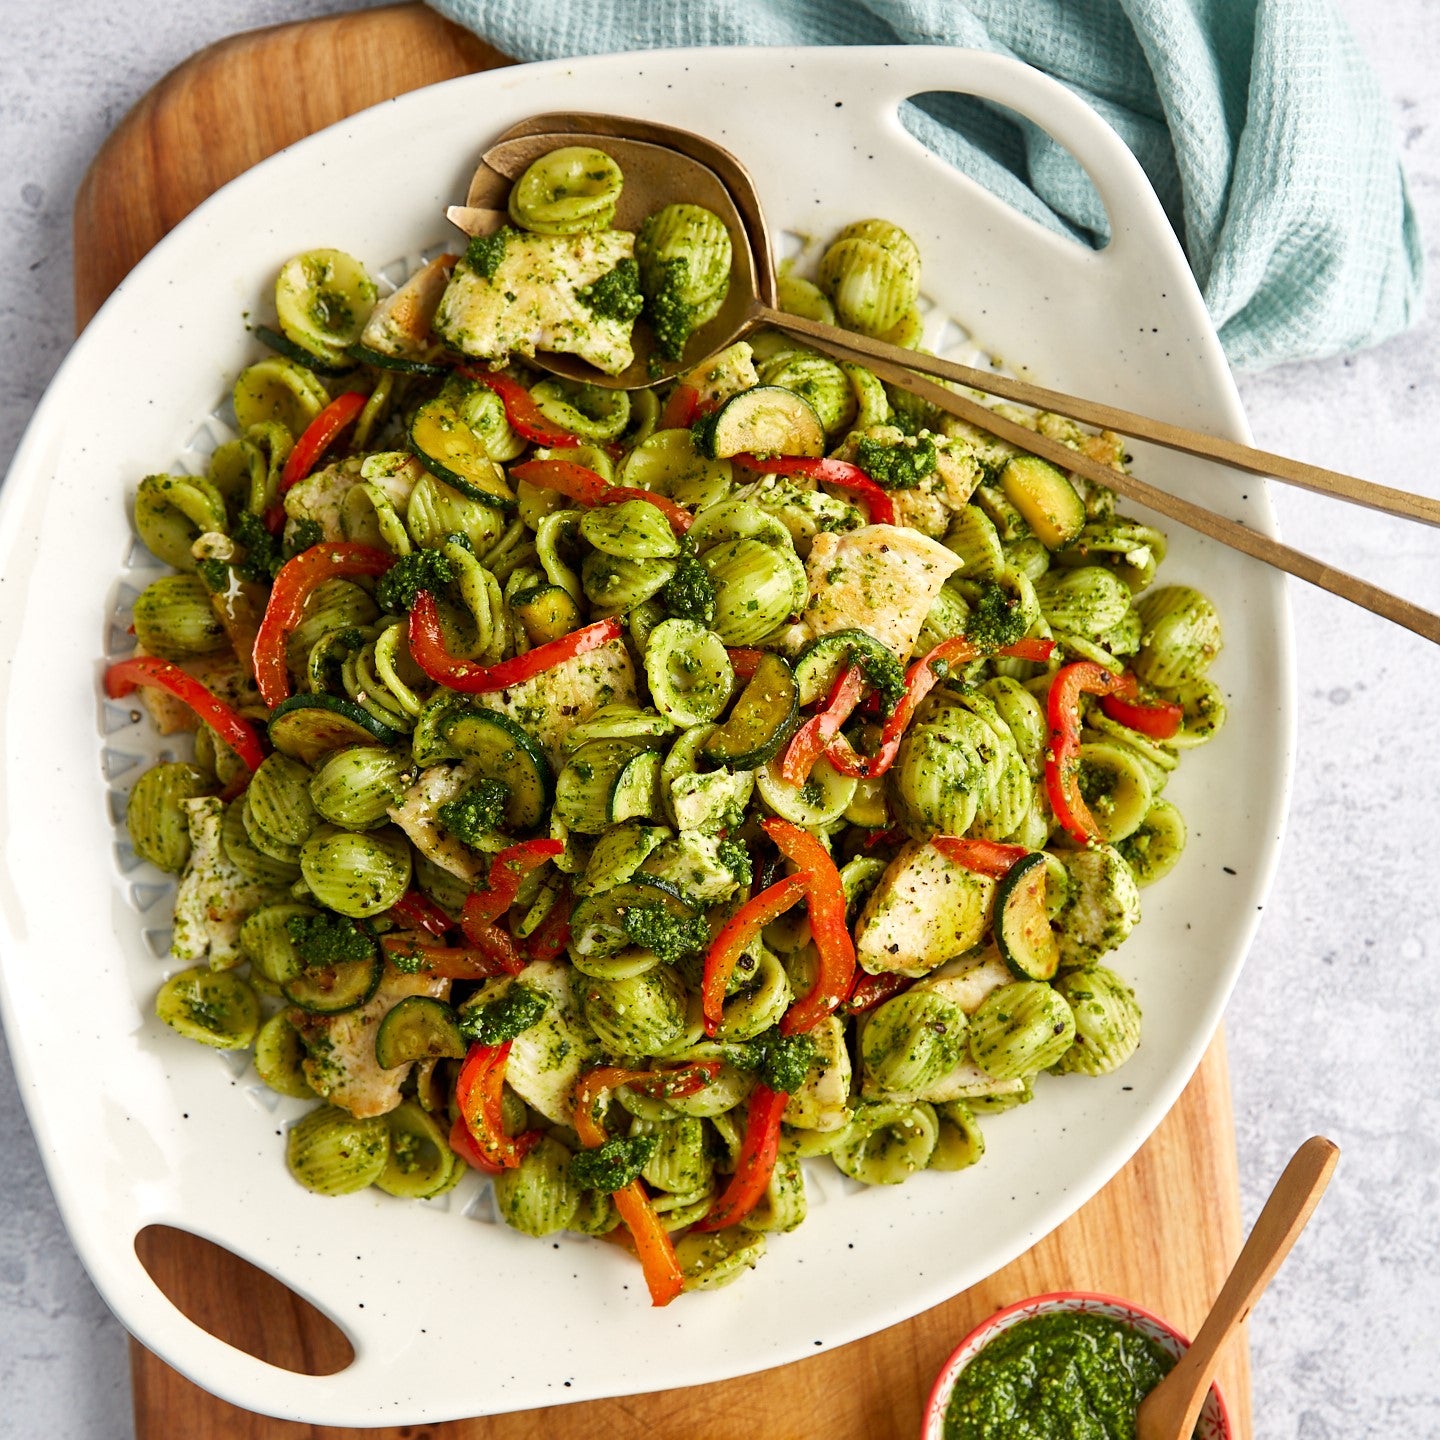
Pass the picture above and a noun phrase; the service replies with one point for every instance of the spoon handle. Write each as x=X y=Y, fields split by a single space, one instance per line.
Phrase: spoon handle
x=1229 y=532
x=1170 y=1410
x=1351 y=488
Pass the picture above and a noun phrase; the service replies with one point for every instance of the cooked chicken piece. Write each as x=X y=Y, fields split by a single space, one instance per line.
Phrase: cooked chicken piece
x=823 y=1101
x=400 y=324
x=546 y=1059
x=214 y=897
x=925 y=910
x=942 y=494
x=881 y=578
x=553 y=702
x=222 y=674
x=530 y=302
x=340 y=1061
x=418 y=815
x=966 y=980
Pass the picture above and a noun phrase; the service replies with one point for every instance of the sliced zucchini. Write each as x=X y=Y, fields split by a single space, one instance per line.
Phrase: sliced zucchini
x=584 y=789
x=418 y=1028
x=597 y=924
x=765 y=420
x=333 y=989
x=1046 y=499
x=498 y=749
x=763 y=719
x=307 y=727
x=284 y=345
x=381 y=361
x=1022 y=925
x=546 y=613
x=819 y=663
x=635 y=794
x=421 y=1163
x=451 y=451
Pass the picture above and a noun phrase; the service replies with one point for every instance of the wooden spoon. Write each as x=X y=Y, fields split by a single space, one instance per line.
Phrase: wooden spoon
x=1169 y=1411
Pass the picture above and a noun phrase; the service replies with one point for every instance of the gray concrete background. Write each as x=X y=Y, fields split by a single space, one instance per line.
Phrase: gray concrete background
x=1334 y=1022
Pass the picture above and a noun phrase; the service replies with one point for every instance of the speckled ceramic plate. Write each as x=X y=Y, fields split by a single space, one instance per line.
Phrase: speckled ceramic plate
x=139 y=1126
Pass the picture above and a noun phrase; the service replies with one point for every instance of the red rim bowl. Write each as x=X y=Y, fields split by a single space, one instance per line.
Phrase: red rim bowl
x=1214 y=1422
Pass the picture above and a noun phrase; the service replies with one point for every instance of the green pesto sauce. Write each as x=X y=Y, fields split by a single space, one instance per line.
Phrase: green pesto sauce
x=671 y=319
x=615 y=295
x=486 y=253
x=896 y=467
x=1057 y=1377
x=996 y=619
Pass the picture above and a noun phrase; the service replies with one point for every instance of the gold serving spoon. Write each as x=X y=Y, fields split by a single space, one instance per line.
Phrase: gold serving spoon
x=663 y=164
x=1170 y=1410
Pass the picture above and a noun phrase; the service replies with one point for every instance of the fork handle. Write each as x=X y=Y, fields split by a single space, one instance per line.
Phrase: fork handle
x=1110 y=417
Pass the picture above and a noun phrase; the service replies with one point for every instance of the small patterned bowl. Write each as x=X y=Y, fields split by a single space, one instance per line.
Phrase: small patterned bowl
x=1214 y=1422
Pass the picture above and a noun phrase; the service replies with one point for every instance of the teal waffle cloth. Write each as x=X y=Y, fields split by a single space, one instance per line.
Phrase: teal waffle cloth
x=1259 y=123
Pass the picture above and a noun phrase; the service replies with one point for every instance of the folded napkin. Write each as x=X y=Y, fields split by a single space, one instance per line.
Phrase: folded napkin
x=1258 y=121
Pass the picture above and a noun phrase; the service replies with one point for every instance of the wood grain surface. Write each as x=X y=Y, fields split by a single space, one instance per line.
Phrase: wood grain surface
x=1161 y=1233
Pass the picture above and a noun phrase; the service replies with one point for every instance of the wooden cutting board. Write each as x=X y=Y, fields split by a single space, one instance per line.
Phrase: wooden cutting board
x=1162 y=1233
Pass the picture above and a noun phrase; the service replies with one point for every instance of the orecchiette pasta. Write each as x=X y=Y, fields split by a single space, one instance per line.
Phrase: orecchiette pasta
x=640 y=823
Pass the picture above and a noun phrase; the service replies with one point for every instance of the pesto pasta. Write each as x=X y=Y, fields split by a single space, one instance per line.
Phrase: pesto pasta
x=643 y=815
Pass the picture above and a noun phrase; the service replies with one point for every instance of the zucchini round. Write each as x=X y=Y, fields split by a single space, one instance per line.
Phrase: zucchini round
x=451 y=451
x=284 y=345
x=307 y=727
x=1022 y=925
x=763 y=719
x=635 y=795
x=418 y=1028
x=819 y=663
x=764 y=420
x=381 y=361
x=1045 y=498
x=333 y=989
x=496 y=748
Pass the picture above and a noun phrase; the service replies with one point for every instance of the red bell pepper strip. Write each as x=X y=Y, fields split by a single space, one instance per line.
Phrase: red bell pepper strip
x=813 y=738
x=755 y=1163
x=653 y=1245
x=526 y=418
x=840 y=473
x=479 y=1094
x=320 y=434
x=427 y=648
x=920 y=679
x=495 y=944
x=293 y=587
x=985 y=857
x=874 y=990
x=589 y=487
x=463 y=1144
x=1159 y=719
x=553 y=934
x=1062 y=758
x=414 y=911
x=443 y=962
x=732 y=941
x=663 y=1276
x=507 y=870
x=124 y=675
x=681 y=410
x=744 y=660
x=826 y=896
x=672 y=1084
